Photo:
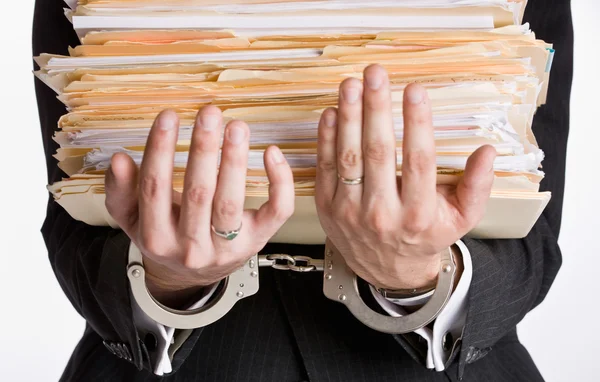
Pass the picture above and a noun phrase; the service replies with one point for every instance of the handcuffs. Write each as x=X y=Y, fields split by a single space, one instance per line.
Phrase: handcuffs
x=339 y=284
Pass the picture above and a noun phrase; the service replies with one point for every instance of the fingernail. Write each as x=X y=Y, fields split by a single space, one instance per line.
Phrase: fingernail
x=414 y=95
x=277 y=156
x=330 y=119
x=166 y=121
x=236 y=134
x=209 y=122
x=374 y=80
x=350 y=94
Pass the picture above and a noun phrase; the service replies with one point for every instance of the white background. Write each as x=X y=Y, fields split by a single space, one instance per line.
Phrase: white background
x=39 y=328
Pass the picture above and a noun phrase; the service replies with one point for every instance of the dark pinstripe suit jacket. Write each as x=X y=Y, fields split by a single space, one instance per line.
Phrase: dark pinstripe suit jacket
x=289 y=331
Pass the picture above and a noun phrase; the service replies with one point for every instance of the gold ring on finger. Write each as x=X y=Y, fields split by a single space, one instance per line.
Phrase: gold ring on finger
x=351 y=182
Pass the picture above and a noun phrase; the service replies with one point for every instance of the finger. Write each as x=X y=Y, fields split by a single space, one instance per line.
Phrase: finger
x=228 y=206
x=419 y=172
x=280 y=206
x=326 y=182
x=121 y=192
x=156 y=173
x=349 y=138
x=201 y=175
x=379 y=141
x=473 y=191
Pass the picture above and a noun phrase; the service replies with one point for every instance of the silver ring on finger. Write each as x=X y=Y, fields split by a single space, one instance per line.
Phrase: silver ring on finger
x=227 y=235
x=351 y=182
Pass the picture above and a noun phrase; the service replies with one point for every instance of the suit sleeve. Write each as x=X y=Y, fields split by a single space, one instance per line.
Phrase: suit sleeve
x=511 y=277
x=89 y=262
x=90 y=266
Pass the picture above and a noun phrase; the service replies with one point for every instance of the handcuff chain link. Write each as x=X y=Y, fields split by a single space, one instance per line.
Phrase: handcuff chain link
x=284 y=262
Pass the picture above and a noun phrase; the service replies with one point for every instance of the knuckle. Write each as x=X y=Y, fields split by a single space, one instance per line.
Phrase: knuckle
x=226 y=209
x=153 y=245
x=326 y=136
x=190 y=262
x=202 y=146
x=418 y=117
x=415 y=223
x=283 y=213
x=131 y=217
x=199 y=194
x=125 y=216
x=345 y=214
x=234 y=159
x=372 y=104
x=349 y=159
x=193 y=254
x=377 y=102
x=223 y=262
x=466 y=219
x=379 y=221
x=149 y=186
x=161 y=135
x=190 y=258
x=377 y=152
x=326 y=165
x=323 y=204
x=416 y=161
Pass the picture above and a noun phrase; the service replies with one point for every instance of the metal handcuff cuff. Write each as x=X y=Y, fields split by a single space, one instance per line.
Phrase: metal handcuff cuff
x=339 y=284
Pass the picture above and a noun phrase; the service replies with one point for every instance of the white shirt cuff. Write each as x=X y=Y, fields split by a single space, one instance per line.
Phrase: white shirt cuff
x=164 y=335
x=451 y=319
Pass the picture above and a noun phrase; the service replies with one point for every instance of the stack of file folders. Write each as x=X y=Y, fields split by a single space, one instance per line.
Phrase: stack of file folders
x=277 y=64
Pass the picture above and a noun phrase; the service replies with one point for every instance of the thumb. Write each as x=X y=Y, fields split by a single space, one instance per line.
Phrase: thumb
x=473 y=190
x=121 y=191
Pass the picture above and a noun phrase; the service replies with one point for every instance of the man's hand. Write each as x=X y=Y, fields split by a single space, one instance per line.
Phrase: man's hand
x=391 y=231
x=173 y=231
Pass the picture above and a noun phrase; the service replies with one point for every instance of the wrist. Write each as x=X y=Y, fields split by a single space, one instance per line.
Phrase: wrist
x=417 y=274
x=423 y=275
x=168 y=287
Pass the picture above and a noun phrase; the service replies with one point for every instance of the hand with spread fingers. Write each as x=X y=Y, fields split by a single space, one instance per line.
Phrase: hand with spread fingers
x=202 y=235
x=391 y=230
